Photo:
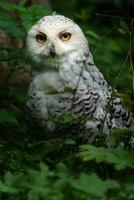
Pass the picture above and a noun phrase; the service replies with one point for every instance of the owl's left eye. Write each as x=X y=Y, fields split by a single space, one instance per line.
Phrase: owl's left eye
x=65 y=36
x=41 y=38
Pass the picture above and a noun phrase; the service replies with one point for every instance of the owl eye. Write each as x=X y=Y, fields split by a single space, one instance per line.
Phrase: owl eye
x=40 y=38
x=65 y=36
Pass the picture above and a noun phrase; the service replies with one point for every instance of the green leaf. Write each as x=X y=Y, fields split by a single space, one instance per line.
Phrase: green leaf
x=93 y=185
x=121 y=31
x=33 y=14
x=11 y=27
x=20 y=95
x=7 y=117
x=67 y=117
x=119 y=157
x=22 y=2
x=123 y=25
x=70 y=141
x=5 y=189
x=7 y=6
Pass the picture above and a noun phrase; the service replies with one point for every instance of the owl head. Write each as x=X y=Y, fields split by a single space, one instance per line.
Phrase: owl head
x=55 y=36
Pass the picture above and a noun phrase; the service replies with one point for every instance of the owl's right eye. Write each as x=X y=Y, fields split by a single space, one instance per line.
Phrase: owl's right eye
x=41 y=38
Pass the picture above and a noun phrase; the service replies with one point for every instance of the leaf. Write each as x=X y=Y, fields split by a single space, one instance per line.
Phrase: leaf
x=33 y=14
x=7 y=6
x=70 y=141
x=7 y=117
x=69 y=90
x=123 y=25
x=11 y=27
x=89 y=184
x=4 y=188
x=13 y=7
x=22 y=3
x=119 y=157
x=67 y=117
x=121 y=31
x=53 y=92
x=11 y=183
x=20 y=95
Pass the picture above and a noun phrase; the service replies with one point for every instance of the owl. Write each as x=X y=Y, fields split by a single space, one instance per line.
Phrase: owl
x=65 y=81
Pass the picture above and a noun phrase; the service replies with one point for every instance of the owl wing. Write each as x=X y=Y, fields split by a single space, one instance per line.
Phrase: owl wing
x=94 y=96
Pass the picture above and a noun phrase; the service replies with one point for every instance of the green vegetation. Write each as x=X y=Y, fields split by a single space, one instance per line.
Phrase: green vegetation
x=38 y=165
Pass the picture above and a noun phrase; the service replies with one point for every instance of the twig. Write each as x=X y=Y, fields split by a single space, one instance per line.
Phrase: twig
x=114 y=16
x=121 y=70
x=130 y=53
x=77 y=84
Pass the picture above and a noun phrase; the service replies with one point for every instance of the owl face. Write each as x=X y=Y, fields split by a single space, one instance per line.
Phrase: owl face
x=53 y=37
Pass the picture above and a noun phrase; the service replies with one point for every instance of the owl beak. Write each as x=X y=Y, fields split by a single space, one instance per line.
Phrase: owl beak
x=52 y=51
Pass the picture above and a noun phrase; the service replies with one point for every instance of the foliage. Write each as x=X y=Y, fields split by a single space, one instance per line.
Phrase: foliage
x=119 y=157
x=56 y=184
x=36 y=164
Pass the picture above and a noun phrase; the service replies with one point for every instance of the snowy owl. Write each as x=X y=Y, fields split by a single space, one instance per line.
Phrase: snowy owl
x=66 y=81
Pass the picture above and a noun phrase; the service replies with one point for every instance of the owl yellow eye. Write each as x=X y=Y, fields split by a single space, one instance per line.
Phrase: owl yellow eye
x=41 y=38
x=65 y=36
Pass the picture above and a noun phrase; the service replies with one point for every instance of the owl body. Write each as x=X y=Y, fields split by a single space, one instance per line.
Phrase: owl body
x=67 y=80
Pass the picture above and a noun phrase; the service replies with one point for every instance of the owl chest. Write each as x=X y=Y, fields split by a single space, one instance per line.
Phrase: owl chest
x=48 y=82
x=55 y=81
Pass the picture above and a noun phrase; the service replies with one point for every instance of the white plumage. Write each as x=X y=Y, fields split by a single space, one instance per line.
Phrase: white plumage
x=66 y=79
